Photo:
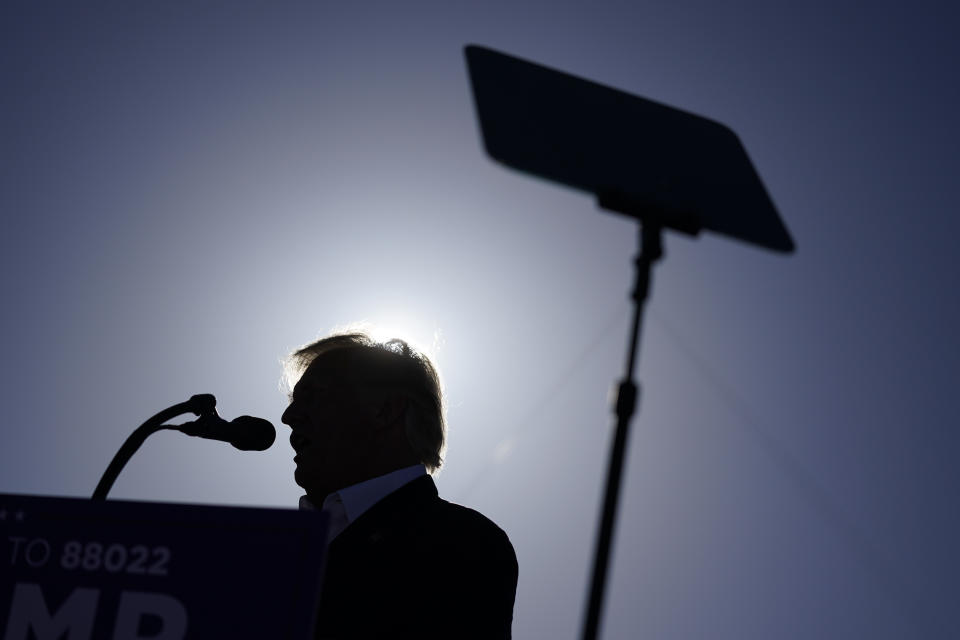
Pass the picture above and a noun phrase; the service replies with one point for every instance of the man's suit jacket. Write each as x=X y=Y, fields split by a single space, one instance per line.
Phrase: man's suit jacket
x=415 y=565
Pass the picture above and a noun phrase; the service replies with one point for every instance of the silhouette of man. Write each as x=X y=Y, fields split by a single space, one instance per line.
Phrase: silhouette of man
x=367 y=427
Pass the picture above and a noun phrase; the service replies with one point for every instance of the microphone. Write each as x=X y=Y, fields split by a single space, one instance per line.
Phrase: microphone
x=245 y=433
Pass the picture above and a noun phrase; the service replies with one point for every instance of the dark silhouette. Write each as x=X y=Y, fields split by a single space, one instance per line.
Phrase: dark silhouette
x=667 y=168
x=245 y=433
x=367 y=426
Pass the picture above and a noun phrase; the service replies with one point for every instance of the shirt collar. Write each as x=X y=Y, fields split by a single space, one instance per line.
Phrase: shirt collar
x=358 y=498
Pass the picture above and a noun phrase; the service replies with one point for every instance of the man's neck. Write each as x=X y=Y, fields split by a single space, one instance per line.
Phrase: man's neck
x=353 y=501
x=319 y=494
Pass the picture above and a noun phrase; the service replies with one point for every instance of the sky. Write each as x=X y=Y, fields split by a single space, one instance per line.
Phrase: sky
x=190 y=191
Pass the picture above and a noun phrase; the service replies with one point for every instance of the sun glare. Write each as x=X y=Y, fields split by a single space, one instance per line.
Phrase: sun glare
x=407 y=328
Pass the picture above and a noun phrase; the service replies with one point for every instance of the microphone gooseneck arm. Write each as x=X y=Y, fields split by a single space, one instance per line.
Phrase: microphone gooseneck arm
x=200 y=405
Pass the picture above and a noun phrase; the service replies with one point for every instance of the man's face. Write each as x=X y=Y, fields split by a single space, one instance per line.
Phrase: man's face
x=333 y=426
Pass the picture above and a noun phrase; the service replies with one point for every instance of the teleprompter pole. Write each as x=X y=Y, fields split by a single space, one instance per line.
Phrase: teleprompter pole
x=650 y=251
x=667 y=168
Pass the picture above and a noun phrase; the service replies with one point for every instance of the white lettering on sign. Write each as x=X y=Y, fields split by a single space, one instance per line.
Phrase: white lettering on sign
x=28 y=610
x=114 y=558
x=75 y=617
x=36 y=552
x=15 y=542
x=92 y=556
x=136 y=604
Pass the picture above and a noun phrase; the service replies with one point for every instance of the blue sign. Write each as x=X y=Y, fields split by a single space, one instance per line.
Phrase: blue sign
x=79 y=569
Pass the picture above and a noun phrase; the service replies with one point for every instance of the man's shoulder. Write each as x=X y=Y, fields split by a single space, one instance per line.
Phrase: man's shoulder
x=444 y=524
x=450 y=513
x=460 y=518
x=422 y=562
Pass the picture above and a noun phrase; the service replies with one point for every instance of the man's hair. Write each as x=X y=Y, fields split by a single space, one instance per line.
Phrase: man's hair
x=397 y=366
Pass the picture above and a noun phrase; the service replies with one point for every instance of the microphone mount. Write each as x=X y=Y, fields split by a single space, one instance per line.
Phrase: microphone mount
x=245 y=433
x=202 y=405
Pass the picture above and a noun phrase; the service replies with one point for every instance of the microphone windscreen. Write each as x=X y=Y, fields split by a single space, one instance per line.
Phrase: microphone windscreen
x=252 y=434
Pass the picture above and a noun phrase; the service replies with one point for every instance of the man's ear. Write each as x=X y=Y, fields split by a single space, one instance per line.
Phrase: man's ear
x=392 y=411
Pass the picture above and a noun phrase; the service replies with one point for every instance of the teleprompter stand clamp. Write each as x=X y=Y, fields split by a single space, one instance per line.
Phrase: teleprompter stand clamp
x=664 y=167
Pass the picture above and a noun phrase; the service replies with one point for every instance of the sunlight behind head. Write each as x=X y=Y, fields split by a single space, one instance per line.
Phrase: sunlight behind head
x=362 y=359
x=391 y=327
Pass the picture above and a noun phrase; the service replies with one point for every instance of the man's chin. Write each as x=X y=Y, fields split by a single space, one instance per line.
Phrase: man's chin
x=305 y=481
x=298 y=478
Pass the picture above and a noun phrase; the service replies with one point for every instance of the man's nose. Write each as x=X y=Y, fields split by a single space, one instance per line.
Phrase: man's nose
x=288 y=415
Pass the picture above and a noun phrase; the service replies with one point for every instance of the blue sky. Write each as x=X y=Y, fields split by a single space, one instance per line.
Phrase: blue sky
x=191 y=191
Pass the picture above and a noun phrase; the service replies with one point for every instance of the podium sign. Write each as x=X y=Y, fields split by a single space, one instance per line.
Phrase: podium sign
x=133 y=570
